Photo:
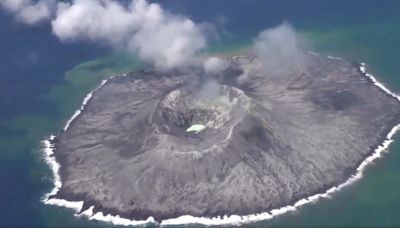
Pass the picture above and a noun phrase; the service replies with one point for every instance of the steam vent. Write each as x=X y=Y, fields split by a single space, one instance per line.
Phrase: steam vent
x=243 y=141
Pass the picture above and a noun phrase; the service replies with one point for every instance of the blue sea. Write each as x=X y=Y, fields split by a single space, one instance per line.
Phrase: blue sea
x=43 y=81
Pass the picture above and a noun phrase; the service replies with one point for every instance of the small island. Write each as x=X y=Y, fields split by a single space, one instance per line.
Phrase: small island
x=164 y=144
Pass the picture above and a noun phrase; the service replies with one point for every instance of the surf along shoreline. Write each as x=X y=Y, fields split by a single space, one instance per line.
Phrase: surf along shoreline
x=81 y=208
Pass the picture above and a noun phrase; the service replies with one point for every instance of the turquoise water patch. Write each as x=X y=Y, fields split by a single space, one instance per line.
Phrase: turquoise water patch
x=196 y=128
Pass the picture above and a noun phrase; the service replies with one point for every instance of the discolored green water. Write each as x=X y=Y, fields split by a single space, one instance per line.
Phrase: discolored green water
x=34 y=109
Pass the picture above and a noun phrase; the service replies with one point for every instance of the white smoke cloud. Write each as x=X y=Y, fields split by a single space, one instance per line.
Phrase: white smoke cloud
x=152 y=33
x=209 y=90
x=140 y=27
x=14 y=5
x=214 y=65
x=104 y=21
x=29 y=12
x=144 y=28
x=279 y=50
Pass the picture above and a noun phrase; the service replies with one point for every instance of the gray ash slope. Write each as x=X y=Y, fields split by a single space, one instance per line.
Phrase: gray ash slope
x=269 y=139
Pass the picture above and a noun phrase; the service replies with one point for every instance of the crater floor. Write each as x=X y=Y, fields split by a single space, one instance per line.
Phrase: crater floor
x=262 y=141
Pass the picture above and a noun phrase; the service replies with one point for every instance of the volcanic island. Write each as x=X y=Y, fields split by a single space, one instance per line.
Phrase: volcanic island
x=242 y=141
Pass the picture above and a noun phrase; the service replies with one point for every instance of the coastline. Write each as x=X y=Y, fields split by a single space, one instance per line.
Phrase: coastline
x=225 y=220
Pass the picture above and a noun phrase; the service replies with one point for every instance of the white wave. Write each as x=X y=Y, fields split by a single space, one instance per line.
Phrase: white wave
x=224 y=220
x=84 y=103
x=331 y=57
x=376 y=82
x=116 y=220
x=328 y=56
x=48 y=151
x=313 y=53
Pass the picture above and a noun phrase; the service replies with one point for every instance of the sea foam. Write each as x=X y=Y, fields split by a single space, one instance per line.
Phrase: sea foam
x=48 y=152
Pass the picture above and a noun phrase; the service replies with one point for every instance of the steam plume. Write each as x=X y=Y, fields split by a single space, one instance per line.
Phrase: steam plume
x=29 y=12
x=143 y=28
x=214 y=65
x=278 y=49
x=146 y=29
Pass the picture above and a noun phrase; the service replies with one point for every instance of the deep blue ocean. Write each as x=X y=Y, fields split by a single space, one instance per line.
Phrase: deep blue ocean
x=42 y=82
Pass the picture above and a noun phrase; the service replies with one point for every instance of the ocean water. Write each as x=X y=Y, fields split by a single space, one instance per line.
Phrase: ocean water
x=42 y=82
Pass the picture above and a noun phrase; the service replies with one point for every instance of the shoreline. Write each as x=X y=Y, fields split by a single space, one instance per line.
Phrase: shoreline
x=49 y=157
